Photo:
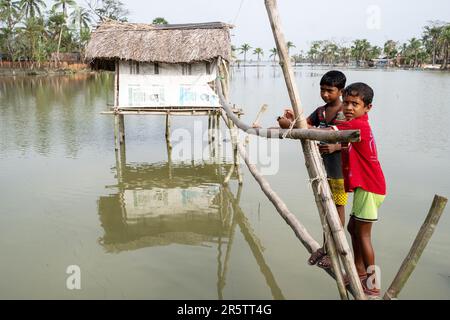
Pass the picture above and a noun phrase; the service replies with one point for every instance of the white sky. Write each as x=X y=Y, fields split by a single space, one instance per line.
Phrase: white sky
x=303 y=20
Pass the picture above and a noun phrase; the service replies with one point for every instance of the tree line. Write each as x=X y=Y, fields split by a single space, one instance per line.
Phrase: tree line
x=431 y=48
x=32 y=31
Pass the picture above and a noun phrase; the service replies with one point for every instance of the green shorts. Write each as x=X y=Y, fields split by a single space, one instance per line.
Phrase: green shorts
x=365 y=205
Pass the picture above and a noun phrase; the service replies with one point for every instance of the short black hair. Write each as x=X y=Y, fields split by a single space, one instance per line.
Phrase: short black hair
x=360 y=90
x=334 y=79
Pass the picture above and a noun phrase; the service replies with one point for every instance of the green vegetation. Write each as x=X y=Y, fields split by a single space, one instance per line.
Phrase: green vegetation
x=31 y=31
x=431 y=48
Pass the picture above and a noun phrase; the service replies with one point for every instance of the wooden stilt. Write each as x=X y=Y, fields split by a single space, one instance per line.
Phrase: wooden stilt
x=314 y=163
x=116 y=132
x=122 y=128
x=168 y=145
x=421 y=241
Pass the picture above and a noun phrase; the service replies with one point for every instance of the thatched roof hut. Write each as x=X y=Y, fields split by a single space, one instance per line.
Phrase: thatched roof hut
x=179 y=43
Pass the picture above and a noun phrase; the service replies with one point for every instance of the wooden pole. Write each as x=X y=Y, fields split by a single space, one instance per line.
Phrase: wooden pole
x=122 y=128
x=419 y=245
x=117 y=124
x=296 y=134
x=313 y=160
x=300 y=231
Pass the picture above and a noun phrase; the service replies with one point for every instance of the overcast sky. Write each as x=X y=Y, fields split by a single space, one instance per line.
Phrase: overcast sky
x=303 y=20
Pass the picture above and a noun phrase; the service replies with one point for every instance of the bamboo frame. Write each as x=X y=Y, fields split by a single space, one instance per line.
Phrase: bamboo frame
x=314 y=163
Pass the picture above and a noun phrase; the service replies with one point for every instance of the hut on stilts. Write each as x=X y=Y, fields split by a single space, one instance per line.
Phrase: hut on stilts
x=162 y=69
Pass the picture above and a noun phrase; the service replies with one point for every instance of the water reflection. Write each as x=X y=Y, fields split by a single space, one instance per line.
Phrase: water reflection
x=53 y=108
x=160 y=204
x=166 y=203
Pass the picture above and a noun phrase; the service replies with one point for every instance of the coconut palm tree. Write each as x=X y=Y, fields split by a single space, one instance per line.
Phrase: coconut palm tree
x=444 y=41
x=414 y=48
x=274 y=53
x=290 y=45
x=159 y=20
x=64 y=4
x=430 y=38
x=10 y=16
x=32 y=8
x=390 y=49
x=244 y=49
x=345 y=54
x=32 y=31
x=360 y=50
x=314 y=51
x=81 y=17
x=259 y=52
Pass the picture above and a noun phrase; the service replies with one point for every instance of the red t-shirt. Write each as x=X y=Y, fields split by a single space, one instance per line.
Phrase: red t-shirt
x=360 y=163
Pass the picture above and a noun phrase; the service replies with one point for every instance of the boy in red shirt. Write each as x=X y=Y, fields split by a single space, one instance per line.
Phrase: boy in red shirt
x=363 y=176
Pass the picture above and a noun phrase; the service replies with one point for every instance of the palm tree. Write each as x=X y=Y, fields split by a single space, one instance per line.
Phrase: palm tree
x=414 y=48
x=329 y=52
x=159 y=20
x=259 y=52
x=444 y=41
x=9 y=11
x=244 y=48
x=314 y=51
x=32 y=31
x=274 y=53
x=360 y=50
x=431 y=37
x=64 y=4
x=345 y=54
x=290 y=45
x=10 y=16
x=390 y=49
x=32 y=7
x=81 y=17
x=374 y=52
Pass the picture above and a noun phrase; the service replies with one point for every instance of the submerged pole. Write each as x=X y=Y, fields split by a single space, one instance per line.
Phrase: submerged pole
x=419 y=245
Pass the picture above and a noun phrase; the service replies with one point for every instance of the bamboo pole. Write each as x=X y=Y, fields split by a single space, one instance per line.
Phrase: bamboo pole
x=419 y=245
x=296 y=134
x=313 y=161
x=300 y=231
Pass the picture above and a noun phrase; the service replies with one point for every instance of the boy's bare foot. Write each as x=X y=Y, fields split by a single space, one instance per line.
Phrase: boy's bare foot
x=316 y=256
x=325 y=262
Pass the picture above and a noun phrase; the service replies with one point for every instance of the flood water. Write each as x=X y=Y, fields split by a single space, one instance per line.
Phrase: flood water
x=155 y=226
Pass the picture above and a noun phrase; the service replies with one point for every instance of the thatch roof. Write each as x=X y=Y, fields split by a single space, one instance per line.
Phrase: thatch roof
x=182 y=43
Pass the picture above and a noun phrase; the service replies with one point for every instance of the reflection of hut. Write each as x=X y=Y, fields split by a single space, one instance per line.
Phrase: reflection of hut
x=153 y=210
x=161 y=65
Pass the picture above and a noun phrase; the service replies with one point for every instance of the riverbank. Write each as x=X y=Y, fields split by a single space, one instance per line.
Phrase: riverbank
x=40 y=72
